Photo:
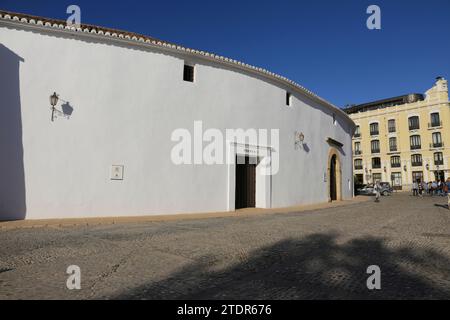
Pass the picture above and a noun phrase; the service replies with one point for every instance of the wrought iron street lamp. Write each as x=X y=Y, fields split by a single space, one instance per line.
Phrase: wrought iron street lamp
x=53 y=102
x=299 y=139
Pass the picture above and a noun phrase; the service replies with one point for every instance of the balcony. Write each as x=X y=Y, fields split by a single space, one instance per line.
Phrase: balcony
x=358 y=167
x=357 y=135
x=393 y=149
x=396 y=165
x=376 y=166
x=358 y=152
x=416 y=164
x=375 y=151
x=416 y=147
x=414 y=127
x=437 y=145
x=435 y=124
x=439 y=162
x=374 y=133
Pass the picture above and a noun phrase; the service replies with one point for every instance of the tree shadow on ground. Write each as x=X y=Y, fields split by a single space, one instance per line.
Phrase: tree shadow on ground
x=314 y=267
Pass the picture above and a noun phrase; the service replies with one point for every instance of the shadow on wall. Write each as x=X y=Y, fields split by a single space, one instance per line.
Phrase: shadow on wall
x=315 y=267
x=12 y=178
x=306 y=148
x=67 y=110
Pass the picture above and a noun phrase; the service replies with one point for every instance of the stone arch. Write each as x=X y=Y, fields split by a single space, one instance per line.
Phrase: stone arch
x=334 y=160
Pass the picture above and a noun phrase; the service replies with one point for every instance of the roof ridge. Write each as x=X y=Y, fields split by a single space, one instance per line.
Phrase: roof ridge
x=131 y=36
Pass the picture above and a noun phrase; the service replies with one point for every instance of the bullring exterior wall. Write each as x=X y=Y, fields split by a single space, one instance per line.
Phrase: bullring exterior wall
x=122 y=102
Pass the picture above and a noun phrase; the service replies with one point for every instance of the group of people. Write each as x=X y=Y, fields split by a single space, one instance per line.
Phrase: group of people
x=435 y=188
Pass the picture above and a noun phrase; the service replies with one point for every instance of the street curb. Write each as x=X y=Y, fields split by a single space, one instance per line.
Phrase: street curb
x=97 y=221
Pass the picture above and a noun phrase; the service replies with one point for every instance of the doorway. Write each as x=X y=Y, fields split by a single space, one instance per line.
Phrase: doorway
x=334 y=176
x=245 y=183
x=439 y=176
x=333 y=185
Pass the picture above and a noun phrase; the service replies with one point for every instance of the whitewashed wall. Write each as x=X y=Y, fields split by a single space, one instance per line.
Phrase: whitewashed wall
x=126 y=103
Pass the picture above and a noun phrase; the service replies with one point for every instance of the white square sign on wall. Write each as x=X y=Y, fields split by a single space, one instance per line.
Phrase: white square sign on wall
x=117 y=172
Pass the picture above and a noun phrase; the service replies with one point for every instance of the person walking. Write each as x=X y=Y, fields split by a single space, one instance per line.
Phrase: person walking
x=425 y=188
x=377 y=189
x=448 y=193
x=442 y=188
x=433 y=188
x=420 y=188
x=415 y=188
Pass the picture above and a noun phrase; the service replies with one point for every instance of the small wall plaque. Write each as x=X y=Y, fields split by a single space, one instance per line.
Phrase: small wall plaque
x=117 y=172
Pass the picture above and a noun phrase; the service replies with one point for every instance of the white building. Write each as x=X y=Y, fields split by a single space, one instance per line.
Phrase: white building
x=121 y=98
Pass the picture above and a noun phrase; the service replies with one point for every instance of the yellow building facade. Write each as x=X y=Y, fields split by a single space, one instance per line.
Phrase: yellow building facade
x=403 y=139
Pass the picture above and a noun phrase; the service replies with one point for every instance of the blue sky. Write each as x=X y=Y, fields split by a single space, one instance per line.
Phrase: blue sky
x=323 y=45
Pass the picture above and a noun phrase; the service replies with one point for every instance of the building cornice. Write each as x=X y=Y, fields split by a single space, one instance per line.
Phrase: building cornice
x=396 y=110
x=116 y=36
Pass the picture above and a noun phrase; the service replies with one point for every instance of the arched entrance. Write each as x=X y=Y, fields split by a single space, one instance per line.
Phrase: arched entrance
x=334 y=176
x=333 y=186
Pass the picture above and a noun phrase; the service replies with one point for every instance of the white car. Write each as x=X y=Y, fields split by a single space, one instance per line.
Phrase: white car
x=369 y=189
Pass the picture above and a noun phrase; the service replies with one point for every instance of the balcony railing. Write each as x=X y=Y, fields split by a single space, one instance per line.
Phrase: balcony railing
x=374 y=133
x=396 y=165
x=392 y=130
x=416 y=147
x=437 y=145
x=357 y=135
x=439 y=162
x=414 y=127
x=358 y=152
x=376 y=166
x=416 y=164
x=375 y=150
x=358 y=167
x=435 y=124
x=393 y=148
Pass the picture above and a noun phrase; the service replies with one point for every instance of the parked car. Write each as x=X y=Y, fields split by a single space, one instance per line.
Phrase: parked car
x=369 y=190
x=386 y=189
x=366 y=190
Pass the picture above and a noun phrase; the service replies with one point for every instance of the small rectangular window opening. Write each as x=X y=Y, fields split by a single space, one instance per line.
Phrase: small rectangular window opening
x=288 y=98
x=188 y=74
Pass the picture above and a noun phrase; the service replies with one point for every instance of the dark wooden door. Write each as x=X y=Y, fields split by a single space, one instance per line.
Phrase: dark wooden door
x=245 y=185
x=333 y=191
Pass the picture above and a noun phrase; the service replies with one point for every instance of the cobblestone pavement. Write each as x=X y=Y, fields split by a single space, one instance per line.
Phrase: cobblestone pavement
x=320 y=254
